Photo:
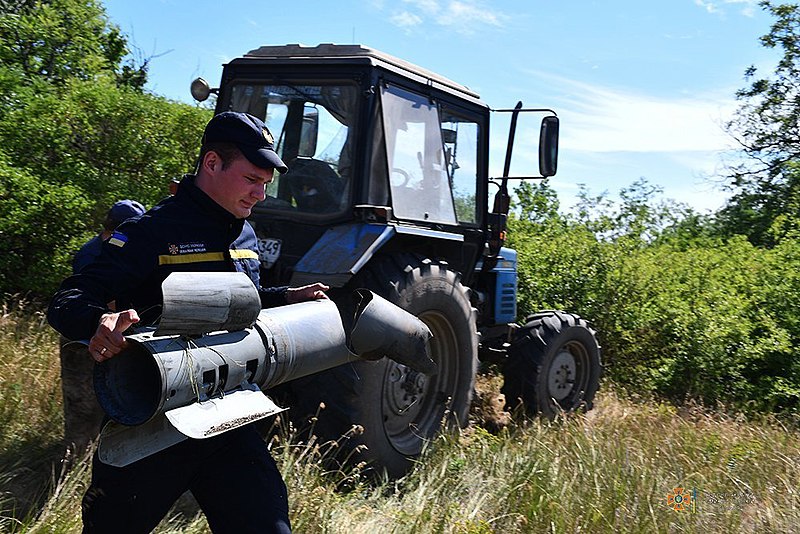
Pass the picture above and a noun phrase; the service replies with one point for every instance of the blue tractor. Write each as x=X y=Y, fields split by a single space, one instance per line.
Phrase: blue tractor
x=388 y=189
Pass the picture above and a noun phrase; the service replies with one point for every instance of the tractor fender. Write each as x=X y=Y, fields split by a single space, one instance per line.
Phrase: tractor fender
x=344 y=250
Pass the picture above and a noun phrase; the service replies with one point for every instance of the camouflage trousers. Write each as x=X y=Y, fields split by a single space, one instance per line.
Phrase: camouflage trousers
x=83 y=416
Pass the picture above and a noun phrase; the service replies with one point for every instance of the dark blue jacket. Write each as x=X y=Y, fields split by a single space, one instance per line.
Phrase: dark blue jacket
x=87 y=253
x=188 y=232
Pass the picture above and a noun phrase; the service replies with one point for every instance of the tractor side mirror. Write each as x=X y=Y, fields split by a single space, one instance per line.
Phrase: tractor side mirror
x=548 y=146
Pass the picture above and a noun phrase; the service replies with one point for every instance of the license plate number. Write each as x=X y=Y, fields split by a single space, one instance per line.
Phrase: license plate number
x=269 y=250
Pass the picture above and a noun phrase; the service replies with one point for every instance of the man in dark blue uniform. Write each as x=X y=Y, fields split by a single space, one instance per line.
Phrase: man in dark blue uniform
x=117 y=214
x=202 y=228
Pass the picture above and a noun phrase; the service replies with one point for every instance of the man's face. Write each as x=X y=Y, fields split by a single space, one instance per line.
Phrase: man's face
x=238 y=187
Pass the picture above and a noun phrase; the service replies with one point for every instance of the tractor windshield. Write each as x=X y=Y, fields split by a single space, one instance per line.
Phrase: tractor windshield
x=314 y=135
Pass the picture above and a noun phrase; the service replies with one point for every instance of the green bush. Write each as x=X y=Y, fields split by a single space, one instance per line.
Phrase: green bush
x=41 y=225
x=678 y=313
x=72 y=153
x=110 y=142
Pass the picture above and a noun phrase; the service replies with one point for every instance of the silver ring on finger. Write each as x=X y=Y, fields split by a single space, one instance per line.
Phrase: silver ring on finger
x=103 y=350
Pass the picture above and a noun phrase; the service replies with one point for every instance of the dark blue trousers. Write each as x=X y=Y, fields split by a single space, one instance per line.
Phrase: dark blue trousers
x=232 y=476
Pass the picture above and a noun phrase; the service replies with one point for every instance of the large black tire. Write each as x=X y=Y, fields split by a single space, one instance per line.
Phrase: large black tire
x=398 y=408
x=553 y=366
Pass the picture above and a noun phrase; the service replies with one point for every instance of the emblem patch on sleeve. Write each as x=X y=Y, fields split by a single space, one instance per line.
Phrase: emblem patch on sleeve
x=118 y=239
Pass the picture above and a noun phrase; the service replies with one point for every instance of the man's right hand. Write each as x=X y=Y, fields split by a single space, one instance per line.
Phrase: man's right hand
x=309 y=292
x=108 y=340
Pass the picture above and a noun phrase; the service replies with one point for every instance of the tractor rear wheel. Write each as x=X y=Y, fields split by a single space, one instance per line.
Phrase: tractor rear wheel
x=553 y=366
x=395 y=408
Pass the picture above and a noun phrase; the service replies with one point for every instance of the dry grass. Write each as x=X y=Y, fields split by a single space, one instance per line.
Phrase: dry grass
x=610 y=470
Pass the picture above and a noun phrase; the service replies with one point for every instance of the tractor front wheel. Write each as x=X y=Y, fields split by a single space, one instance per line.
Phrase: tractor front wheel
x=553 y=366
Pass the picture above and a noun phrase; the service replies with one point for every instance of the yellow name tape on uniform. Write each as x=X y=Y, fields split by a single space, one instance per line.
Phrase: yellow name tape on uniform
x=244 y=254
x=166 y=259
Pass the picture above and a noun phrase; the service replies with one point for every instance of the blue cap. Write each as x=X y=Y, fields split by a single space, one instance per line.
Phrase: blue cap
x=250 y=135
x=123 y=210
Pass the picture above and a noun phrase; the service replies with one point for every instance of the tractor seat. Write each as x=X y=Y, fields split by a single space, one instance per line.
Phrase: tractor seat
x=315 y=185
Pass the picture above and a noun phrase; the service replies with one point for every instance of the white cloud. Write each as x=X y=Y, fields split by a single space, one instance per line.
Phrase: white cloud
x=464 y=16
x=469 y=14
x=708 y=6
x=612 y=136
x=604 y=119
x=748 y=7
x=427 y=6
x=405 y=20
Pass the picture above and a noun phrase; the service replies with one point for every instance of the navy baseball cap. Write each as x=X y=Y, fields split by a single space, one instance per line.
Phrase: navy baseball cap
x=250 y=135
x=124 y=210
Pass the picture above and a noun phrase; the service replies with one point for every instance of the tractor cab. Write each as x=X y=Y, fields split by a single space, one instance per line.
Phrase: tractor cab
x=368 y=139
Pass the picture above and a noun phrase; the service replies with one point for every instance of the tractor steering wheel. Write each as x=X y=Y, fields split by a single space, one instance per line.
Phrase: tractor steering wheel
x=405 y=177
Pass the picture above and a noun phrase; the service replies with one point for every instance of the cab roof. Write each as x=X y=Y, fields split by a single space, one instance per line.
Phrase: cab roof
x=358 y=54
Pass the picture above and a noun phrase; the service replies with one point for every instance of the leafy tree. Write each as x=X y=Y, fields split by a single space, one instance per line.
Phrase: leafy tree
x=678 y=312
x=767 y=126
x=537 y=202
x=561 y=263
x=106 y=140
x=77 y=133
x=764 y=210
x=640 y=216
x=60 y=40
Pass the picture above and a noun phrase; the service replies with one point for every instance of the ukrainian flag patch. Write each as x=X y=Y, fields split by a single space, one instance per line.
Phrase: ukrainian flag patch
x=118 y=239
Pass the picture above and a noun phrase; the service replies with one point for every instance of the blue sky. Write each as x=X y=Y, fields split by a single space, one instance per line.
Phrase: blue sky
x=642 y=87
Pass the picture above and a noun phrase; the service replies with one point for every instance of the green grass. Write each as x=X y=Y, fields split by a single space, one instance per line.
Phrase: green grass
x=610 y=470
